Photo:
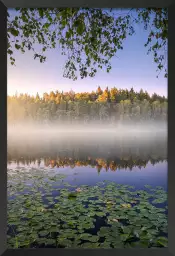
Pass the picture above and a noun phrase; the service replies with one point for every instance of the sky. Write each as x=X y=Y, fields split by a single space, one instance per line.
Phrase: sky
x=131 y=68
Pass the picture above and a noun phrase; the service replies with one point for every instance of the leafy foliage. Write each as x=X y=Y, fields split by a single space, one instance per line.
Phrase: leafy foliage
x=88 y=46
x=158 y=34
x=95 y=218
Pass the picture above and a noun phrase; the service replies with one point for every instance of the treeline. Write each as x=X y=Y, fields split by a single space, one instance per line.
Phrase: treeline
x=103 y=105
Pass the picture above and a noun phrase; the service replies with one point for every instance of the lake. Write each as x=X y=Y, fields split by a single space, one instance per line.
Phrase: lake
x=93 y=179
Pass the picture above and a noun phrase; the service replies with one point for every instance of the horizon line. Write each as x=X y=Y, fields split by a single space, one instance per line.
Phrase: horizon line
x=17 y=93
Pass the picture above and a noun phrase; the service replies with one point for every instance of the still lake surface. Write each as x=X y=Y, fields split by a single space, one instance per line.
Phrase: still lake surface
x=83 y=163
x=134 y=160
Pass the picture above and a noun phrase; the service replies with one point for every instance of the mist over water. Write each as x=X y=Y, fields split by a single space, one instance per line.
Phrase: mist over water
x=86 y=156
x=86 y=136
x=93 y=153
x=145 y=130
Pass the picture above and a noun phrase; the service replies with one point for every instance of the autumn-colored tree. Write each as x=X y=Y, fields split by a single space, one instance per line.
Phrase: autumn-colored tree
x=52 y=96
x=58 y=107
x=99 y=90
x=113 y=94
x=37 y=97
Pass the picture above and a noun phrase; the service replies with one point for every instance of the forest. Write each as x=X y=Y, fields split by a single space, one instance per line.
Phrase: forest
x=104 y=187
x=98 y=106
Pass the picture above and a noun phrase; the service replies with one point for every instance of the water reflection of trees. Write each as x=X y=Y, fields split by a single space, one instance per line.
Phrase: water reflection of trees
x=109 y=156
x=99 y=163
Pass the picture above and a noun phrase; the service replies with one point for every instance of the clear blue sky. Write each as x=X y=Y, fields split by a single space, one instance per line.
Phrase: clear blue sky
x=131 y=68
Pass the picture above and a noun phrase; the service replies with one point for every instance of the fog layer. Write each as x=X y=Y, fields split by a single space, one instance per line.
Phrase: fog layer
x=145 y=130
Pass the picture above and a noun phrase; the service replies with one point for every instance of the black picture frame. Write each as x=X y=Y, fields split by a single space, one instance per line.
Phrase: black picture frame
x=4 y=5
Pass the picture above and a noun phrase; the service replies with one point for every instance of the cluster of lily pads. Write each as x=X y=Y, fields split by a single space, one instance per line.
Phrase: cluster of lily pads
x=44 y=210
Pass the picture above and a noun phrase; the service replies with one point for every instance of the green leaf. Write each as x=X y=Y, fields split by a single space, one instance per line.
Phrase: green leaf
x=14 y=32
x=50 y=242
x=43 y=233
x=72 y=195
x=163 y=241
x=86 y=49
x=148 y=186
x=17 y=46
x=80 y=28
x=41 y=12
x=46 y=25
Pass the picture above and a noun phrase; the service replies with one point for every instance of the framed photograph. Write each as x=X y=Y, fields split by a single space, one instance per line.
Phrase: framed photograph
x=87 y=128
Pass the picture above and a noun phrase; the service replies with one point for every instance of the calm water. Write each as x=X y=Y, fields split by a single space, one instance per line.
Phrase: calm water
x=135 y=160
x=84 y=159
